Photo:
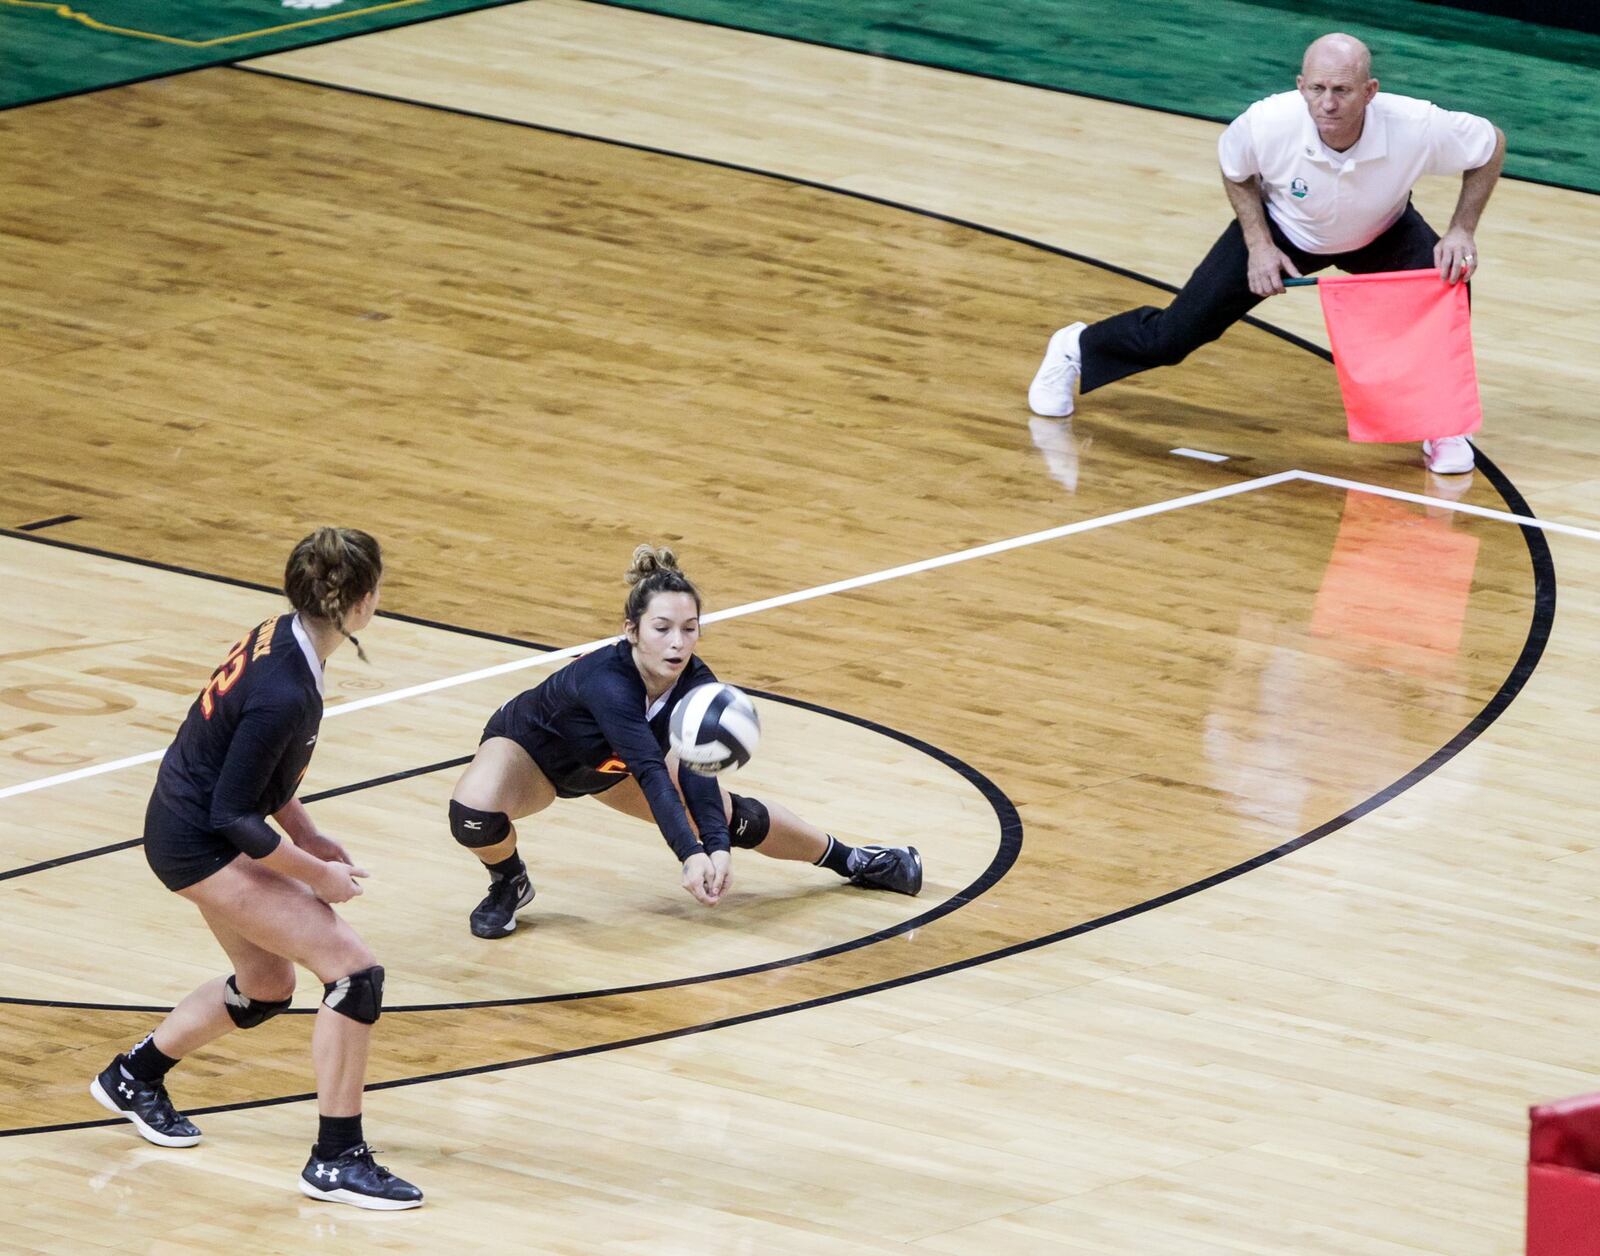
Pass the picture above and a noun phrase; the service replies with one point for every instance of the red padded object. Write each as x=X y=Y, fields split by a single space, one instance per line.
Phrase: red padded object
x=1563 y=1211
x=1566 y=1133
x=1563 y=1188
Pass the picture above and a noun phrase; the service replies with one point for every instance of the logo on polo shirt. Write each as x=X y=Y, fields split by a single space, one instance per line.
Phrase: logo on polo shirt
x=1298 y=189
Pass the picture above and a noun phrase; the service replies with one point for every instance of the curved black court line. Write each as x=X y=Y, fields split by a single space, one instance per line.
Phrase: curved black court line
x=1522 y=670
x=1527 y=661
x=1004 y=858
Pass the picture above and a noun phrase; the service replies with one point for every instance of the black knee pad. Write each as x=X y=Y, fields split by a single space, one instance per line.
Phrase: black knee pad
x=750 y=822
x=474 y=828
x=246 y=1012
x=358 y=996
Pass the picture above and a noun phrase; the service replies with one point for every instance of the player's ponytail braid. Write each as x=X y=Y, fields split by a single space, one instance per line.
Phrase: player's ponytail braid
x=654 y=571
x=329 y=572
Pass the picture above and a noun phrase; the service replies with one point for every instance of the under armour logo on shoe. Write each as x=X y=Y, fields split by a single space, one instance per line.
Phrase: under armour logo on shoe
x=125 y=1090
x=327 y=1171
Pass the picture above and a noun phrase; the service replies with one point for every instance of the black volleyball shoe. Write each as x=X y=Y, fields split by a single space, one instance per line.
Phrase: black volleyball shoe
x=145 y=1104
x=897 y=868
x=496 y=916
x=353 y=1177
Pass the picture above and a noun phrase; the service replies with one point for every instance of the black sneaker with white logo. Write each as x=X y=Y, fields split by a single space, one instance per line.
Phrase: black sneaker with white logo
x=145 y=1104
x=496 y=916
x=353 y=1177
x=897 y=868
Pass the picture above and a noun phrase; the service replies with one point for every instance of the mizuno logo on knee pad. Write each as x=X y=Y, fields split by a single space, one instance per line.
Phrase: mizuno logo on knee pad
x=476 y=829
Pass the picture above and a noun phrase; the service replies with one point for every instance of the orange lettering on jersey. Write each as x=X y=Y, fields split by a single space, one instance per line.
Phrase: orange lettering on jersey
x=614 y=766
x=264 y=638
x=224 y=678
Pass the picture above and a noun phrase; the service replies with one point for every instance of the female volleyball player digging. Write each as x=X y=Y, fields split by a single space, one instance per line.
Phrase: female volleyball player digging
x=599 y=726
x=237 y=759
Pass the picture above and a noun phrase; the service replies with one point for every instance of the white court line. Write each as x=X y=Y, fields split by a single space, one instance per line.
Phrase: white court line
x=1421 y=499
x=749 y=608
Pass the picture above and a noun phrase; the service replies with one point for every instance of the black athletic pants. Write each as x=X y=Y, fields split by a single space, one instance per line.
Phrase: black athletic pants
x=1218 y=295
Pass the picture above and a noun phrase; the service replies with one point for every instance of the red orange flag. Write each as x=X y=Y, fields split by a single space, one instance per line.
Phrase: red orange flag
x=1402 y=345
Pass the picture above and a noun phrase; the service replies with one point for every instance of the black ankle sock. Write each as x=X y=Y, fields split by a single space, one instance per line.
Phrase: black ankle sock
x=837 y=856
x=336 y=1135
x=148 y=1062
x=510 y=866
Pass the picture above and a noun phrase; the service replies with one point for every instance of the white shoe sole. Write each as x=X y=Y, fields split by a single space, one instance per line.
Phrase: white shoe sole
x=1460 y=465
x=145 y=1132
x=1051 y=407
x=355 y=1199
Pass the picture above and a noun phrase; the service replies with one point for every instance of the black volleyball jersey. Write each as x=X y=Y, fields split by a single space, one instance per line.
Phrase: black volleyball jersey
x=597 y=707
x=247 y=739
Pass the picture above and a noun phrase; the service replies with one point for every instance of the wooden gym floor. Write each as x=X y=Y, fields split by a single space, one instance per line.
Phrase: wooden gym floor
x=1260 y=879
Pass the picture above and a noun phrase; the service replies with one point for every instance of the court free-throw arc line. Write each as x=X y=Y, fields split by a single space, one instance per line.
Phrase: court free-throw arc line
x=749 y=608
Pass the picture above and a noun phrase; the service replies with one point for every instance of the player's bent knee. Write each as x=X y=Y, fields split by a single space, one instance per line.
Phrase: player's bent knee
x=358 y=996
x=750 y=822
x=475 y=829
x=246 y=1012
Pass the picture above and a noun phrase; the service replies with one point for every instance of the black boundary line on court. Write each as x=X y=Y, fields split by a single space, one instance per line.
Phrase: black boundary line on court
x=240 y=63
x=1527 y=661
x=1522 y=670
x=40 y=524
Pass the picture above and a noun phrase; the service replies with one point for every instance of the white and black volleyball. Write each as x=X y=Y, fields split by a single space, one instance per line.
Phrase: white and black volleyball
x=713 y=728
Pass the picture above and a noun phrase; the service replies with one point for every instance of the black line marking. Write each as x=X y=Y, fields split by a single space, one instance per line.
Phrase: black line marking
x=39 y=524
x=1527 y=661
x=60 y=861
x=18 y=534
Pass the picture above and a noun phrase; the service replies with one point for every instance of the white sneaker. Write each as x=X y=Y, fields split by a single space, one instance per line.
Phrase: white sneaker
x=1050 y=394
x=1449 y=455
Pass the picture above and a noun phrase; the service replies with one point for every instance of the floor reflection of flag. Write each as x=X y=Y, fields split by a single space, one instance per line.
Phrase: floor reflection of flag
x=1396 y=585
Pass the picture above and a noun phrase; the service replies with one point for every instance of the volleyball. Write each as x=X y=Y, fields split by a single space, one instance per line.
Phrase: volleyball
x=715 y=727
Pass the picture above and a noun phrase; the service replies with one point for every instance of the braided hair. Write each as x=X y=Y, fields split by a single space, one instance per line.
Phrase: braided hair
x=329 y=572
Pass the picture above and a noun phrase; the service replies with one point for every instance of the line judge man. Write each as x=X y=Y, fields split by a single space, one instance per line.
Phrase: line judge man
x=1317 y=177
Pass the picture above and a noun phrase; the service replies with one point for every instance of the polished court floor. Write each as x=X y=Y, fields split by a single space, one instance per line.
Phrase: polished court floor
x=1253 y=793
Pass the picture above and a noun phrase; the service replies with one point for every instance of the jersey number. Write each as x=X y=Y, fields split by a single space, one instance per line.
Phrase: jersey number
x=224 y=678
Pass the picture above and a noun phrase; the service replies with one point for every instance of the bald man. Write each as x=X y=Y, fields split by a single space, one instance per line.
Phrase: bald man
x=1317 y=177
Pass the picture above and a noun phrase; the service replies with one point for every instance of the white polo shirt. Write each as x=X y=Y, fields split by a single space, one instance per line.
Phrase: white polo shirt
x=1328 y=202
